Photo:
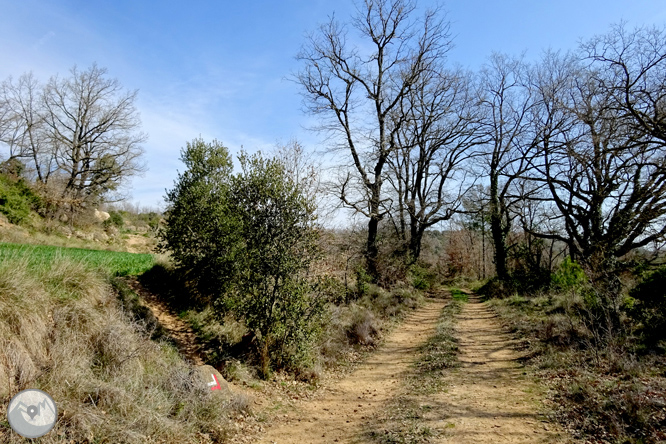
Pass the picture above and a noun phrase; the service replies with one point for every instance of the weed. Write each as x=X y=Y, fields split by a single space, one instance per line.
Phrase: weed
x=459 y=295
x=599 y=391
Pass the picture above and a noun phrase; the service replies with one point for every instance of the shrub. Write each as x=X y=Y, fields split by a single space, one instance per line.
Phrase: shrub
x=422 y=278
x=115 y=220
x=17 y=199
x=570 y=275
x=363 y=281
x=496 y=289
x=200 y=232
x=277 y=244
x=649 y=306
x=248 y=241
x=363 y=329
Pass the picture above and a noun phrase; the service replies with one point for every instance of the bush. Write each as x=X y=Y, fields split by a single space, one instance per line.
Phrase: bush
x=422 y=278
x=649 y=306
x=115 y=220
x=496 y=289
x=248 y=241
x=277 y=244
x=199 y=231
x=363 y=329
x=363 y=281
x=570 y=275
x=17 y=199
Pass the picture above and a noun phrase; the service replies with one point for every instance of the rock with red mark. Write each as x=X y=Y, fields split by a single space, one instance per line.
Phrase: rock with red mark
x=213 y=379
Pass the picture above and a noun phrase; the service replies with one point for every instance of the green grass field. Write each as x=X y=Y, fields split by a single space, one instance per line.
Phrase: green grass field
x=115 y=263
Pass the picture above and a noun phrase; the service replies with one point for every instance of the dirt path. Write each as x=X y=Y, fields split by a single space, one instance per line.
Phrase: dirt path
x=488 y=399
x=340 y=411
x=177 y=329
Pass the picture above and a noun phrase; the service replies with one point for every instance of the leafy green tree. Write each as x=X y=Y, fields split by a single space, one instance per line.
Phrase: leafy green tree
x=247 y=240
x=278 y=242
x=200 y=229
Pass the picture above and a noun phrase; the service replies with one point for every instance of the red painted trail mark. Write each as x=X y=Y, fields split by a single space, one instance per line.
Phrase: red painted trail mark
x=215 y=385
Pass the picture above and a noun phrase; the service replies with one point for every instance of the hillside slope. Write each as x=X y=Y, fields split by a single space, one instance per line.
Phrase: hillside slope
x=62 y=330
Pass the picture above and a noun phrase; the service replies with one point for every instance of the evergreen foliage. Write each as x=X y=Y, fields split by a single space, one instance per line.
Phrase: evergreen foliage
x=247 y=240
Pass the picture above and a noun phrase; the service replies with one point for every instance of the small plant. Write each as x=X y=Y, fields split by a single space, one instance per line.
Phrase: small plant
x=115 y=220
x=422 y=278
x=648 y=306
x=459 y=295
x=570 y=275
x=363 y=281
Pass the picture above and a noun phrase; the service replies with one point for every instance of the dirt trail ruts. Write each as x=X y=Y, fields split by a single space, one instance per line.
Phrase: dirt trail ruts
x=489 y=399
x=340 y=411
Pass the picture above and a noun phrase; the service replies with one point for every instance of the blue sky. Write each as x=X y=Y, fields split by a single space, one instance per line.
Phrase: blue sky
x=218 y=68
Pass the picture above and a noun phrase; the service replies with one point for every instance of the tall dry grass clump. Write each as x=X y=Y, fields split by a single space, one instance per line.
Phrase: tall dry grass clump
x=62 y=331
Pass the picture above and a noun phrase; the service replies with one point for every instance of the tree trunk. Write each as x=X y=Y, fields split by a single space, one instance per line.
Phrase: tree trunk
x=497 y=231
x=265 y=359
x=499 y=241
x=372 y=251
x=415 y=242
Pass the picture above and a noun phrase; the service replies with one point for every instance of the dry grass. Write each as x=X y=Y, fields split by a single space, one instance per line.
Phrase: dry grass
x=62 y=331
x=364 y=322
x=402 y=420
x=600 y=394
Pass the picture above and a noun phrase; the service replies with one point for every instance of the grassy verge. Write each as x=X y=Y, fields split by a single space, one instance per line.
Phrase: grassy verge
x=62 y=330
x=402 y=420
x=115 y=263
x=608 y=394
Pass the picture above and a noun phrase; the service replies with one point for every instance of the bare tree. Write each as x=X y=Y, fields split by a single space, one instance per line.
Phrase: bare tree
x=506 y=102
x=631 y=65
x=357 y=89
x=22 y=127
x=605 y=175
x=427 y=169
x=92 y=124
x=79 y=134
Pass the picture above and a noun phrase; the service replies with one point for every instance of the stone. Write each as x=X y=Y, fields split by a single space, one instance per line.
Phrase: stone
x=64 y=230
x=101 y=215
x=112 y=231
x=205 y=374
x=84 y=236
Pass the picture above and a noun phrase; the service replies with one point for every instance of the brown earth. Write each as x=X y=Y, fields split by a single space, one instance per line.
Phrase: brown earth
x=136 y=243
x=489 y=399
x=176 y=328
x=340 y=411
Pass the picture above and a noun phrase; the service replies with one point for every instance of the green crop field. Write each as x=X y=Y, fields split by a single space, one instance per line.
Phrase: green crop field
x=115 y=263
